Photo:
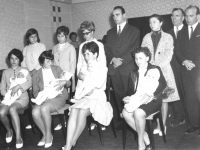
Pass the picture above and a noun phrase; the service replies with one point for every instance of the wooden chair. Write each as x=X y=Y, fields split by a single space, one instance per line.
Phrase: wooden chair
x=98 y=124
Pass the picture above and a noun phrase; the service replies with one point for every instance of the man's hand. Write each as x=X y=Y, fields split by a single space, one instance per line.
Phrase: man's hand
x=117 y=62
x=189 y=64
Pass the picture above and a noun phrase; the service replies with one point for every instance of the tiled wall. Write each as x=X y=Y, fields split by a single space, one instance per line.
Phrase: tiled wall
x=99 y=12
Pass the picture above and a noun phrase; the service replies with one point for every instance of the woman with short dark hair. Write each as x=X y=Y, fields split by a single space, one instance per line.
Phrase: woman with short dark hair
x=94 y=103
x=136 y=118
x=42 y=113
x=15 y=58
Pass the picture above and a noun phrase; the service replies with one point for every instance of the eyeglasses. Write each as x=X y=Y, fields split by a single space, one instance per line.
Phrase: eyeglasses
x=86 y=33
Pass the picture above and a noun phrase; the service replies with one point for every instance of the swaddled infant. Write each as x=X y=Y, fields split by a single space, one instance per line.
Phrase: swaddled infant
x=145 y=90
x=85 y=87
x=50 y=91
x=21 y=78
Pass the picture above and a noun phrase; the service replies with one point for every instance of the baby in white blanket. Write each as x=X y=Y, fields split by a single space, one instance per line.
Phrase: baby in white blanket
x=86 y=85
x=50 y=91
x=21 y=78
x=145 y=90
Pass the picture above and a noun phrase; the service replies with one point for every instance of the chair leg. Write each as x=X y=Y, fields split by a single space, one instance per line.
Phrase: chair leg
x=21 y=116
x=62 y=121
x=31 y=118
x=151 y=136
x=113 y=128
x=88 y=124
x=52 y=124
x=124 y=133
x=100 y=133
x=162 y=126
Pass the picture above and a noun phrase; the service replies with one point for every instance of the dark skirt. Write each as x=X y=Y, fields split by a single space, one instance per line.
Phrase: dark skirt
x=151 y=107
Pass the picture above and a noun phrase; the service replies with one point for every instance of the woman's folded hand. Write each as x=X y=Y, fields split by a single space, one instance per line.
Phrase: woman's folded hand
x=15 y=89
x=126 y=99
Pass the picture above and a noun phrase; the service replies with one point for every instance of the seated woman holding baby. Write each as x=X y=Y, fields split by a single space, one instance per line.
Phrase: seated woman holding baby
x=90 y=97
x=14 y=84
x=145 y=83
x=51 y=78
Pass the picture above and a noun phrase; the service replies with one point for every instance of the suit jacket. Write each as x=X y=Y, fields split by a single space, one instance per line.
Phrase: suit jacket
x=38 y=84
x=134 y=78
x=121 y=47
x=189 y=49
x=174 y=63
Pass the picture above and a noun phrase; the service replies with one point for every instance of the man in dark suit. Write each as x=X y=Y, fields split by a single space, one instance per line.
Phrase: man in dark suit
x=121 y=41
x=188 y=54
x=178 y=109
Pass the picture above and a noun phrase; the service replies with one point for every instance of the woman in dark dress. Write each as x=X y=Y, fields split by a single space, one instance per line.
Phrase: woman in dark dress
x=136 y=119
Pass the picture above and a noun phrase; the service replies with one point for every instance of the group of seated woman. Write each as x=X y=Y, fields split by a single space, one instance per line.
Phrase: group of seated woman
x=93 y=102
x=90 y=97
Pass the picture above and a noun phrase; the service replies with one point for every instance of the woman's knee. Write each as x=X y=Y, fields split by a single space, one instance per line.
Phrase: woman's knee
x=139 y=114
x=13 y=110
x=36 y=112
x=45 y=109
x=3 y=112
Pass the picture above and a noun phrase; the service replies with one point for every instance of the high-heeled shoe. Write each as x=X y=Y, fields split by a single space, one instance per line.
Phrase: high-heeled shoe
x=19 y=145
x=62 y=148
x=9 y=139
x=148 y=147
x=165 y=130
x=41 y=143
x=156 y=131
x=47 y=145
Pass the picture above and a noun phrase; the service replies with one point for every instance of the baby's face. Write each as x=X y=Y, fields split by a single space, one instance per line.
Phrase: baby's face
x=20 y=75
x=150 y=76
x=90 y=67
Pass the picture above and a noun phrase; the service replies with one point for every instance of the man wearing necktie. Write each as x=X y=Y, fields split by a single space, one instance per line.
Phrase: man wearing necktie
x=121 y=41
x=178 y=109
x=188 y=54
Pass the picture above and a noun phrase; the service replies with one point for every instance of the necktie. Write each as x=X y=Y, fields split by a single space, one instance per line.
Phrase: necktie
x=31 y=55
x=191 y=32
x=176 y=31
x=119 y=31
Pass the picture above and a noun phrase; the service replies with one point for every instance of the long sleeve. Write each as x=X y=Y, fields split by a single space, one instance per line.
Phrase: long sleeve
x=3 y=84
x=127 y=57
x=72 y=60
x=35 y=81
x=80 y=59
